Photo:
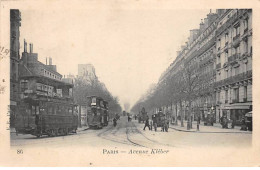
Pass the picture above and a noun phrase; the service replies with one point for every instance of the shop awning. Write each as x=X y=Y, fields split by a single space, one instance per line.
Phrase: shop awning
x=238 y=106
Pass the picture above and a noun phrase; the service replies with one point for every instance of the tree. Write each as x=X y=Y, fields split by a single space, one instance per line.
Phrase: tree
x=82 y=89
x=191 y=80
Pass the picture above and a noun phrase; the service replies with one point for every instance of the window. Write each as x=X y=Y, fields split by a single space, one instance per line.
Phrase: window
x=226 y=96
x=70 y=110
x=236 y=95
x=24 y=86
x=226 y=56
x=245 y=67
x=218 y=96
x=226 y=37
x=37 y=110
x=245 y=24
x=245 y=93
x=218 y=59
x=38 y=86
x=237 y=31
x=246 y=46
x=226 y=74
x=33 y=110
x=236 y=70
x=50 y=110
x=237 y=50
x=54 y=110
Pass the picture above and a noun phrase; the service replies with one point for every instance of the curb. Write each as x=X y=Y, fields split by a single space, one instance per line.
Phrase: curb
x=83 y=129
x=207 y=132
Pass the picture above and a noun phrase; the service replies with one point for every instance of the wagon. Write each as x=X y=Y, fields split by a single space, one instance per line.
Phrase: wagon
x=159 y=120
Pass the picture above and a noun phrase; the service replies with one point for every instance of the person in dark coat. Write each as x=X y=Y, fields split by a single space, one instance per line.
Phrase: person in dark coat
x=147 y=123
x=243 y=124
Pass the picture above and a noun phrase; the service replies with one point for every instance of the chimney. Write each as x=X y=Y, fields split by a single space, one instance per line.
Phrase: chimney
x=46 y=61
x=50 y=61
x=25 y=46
x=206 y=22
x=201 y=25
x=211 y=18
x=30 y=48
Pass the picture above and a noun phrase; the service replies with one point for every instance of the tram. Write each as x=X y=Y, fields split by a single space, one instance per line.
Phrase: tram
x=97 y=115
x=45 y=111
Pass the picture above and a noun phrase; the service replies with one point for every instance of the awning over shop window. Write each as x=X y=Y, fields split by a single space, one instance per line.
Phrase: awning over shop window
x=238 y=106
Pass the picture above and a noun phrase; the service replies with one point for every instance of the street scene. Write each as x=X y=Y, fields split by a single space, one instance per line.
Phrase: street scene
x=132 y=134
x=96 y=83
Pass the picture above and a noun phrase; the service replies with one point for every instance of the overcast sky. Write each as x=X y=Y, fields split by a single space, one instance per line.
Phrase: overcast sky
x=128 y=48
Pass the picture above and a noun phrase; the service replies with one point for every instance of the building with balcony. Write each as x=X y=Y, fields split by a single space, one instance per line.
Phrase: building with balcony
x=233 y=87
x=41 y=82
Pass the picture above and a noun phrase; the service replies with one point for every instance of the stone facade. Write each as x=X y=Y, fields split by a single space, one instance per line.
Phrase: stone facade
x=233 y=62
x=220 y=54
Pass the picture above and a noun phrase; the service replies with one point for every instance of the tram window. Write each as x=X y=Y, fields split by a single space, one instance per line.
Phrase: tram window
x=33 y=110
x=54 y=110
x=58 y=109
x=37 y=110
x=50 y=110
x=70 y=110
x=62 y=110
x=94 y=100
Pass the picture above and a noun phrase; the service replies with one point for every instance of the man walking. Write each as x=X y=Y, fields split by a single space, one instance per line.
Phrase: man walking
x=147 y=123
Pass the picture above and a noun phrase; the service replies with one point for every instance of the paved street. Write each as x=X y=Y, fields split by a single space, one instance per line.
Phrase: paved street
x=132 y=134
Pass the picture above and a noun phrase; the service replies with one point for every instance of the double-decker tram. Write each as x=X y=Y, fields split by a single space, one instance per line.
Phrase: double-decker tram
x=97 y=115
x=46 y=108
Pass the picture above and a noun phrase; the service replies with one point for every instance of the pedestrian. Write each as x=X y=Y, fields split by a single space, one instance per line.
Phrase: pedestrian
x=151 y=125
x=147 y=123
x=199 y=119
x=243 y=124
x=163 y=124
x=233 y=122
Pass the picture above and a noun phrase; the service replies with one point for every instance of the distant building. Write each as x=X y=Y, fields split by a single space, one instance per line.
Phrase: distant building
x=15 y=23
x=86 y=70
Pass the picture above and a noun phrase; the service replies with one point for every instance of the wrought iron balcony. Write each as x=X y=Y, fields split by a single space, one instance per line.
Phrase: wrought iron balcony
x=236 y=37
x=218 y=66
x=225 y=64
x=226 y=43
x=231 y=20
x=233 y=58
x=235 y=101
x=245 y=30
x=234 y=79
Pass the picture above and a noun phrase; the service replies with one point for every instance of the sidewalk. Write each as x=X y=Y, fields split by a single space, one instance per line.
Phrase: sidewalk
x=216 y=128
x=82 y=128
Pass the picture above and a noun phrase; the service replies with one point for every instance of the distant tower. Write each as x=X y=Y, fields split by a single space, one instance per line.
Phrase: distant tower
x=15 y=23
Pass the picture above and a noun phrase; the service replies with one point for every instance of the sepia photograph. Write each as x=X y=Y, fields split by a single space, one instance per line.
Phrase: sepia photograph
x=116 y=83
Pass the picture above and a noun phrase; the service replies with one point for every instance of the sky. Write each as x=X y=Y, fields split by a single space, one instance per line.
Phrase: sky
x=129 y=49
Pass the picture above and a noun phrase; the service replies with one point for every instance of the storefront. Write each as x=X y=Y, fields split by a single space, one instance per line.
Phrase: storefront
x=237 y=111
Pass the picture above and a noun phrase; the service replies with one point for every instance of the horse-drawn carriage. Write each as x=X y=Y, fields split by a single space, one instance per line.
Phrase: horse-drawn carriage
x=142 y=116
x=160 y=120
